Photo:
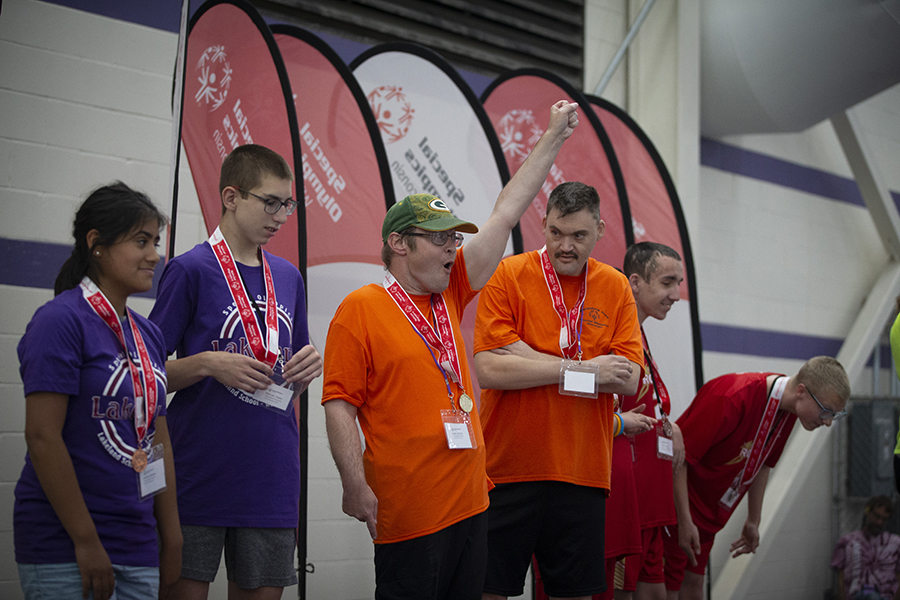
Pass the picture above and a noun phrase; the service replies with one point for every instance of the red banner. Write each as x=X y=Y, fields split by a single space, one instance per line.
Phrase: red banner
x=236 y=93
x=657 y=217
x=345 y=175
x=518 y=105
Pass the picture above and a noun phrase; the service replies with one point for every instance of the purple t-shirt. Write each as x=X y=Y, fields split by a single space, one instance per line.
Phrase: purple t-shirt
x=872 y=562
x=68 y=349
x=237 y=462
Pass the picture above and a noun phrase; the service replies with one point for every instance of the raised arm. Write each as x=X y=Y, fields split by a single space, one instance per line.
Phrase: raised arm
x=485 y=249
x=359 y=501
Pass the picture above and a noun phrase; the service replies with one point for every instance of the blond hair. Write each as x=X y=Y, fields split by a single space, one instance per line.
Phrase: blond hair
x=824 y=372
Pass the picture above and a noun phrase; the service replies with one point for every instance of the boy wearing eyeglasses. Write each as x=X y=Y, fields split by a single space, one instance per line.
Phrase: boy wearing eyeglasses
x=234 y=316
x=734 y=432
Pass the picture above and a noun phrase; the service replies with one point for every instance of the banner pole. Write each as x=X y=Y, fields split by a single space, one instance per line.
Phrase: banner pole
x=177 y=102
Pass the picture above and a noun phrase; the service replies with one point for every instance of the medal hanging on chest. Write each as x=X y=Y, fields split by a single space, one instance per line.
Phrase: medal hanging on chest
x=276 y=396
x=665 y=446
x=576 y=378
x=150 y=467
x=456 y=420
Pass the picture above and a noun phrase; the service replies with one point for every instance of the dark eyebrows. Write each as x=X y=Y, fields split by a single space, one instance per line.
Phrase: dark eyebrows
x=152 y=236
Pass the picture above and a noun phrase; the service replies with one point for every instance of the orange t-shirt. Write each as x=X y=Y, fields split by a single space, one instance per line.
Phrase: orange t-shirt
x=375 y=360
x=537 y=434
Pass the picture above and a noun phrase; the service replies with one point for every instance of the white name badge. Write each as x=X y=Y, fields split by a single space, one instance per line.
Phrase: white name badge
x=458 y=427
x=579 y=379
x=152 y=480
x=665 y=447
x=275 y=396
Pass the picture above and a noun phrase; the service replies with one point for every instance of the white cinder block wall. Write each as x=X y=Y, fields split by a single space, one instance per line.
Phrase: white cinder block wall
x=84 y=100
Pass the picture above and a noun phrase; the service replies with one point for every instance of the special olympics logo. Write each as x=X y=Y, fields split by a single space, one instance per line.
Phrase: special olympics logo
x=214 y=74
x=392 y=111
x=518 y=132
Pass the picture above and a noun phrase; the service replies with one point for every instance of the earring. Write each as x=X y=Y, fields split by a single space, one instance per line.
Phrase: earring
x=97 y=252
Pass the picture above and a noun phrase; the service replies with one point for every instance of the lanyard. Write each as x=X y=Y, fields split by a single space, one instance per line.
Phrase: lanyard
x=144 y=403
x=440 y=337
x=766 y=434
x=265 y=352
x=570 y=320
x=662 y=394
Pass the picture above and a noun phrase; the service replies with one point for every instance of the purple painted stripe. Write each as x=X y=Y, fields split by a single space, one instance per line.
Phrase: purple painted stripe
x=36 y=264
x=760 y=342
x=748 y=163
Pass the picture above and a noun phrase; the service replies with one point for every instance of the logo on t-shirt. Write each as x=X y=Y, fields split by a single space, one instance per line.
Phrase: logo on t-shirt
x=115 y=410
x=595 y=317
x=745 y=452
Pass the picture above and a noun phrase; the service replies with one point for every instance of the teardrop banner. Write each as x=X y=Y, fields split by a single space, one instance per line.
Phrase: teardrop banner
x=237 y=92
x=518 y=105
x=345 y=174
x=657 y=217
x=437 y=135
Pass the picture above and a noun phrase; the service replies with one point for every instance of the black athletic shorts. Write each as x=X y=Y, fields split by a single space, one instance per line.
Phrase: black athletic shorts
x=560 y=523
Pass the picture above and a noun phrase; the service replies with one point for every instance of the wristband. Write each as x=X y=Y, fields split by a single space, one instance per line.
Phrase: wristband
x=617 y=417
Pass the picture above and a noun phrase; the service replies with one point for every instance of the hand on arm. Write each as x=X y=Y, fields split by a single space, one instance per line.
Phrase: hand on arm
x=634 y=422
x=485 y=249
x=45 y=414
x=359 y=501
x=303 y=367
x=688 y=534
x=516 y=366
x=165 y=510
x=749 y=540
x=228 y=368
x=618 y=375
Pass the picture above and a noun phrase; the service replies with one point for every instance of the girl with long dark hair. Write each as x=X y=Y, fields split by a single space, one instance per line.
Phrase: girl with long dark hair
x=98 y=487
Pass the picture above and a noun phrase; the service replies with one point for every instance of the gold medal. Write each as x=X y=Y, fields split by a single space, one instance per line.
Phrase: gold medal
x=139 y=460
x=466 y=403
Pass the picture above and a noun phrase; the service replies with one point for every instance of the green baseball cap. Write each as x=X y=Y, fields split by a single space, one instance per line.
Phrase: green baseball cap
x=425 y=212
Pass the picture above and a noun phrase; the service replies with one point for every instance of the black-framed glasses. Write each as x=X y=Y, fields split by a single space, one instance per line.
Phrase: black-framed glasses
x=439 y=238
x=273 y=205
x=827 y=413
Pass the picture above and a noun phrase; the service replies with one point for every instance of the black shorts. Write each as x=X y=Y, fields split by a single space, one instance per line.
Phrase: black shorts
x=560 y=523
x=445 y=565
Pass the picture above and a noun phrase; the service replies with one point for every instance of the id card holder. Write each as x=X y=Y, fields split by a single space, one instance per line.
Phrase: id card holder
x=458 y=427
x=578 y=378
x=152 y=480
x=278 y=396
x=731 y=495
x=665 y=448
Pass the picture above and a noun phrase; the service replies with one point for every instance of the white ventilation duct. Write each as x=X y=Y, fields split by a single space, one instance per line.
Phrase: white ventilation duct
x=784 y=65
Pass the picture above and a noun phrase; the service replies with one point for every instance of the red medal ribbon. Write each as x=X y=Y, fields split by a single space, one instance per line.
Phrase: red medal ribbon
x=442 y=339
x=665 y=405
x=268 y=352
x=144 y=403
x=762 y=441
x=569 y=336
